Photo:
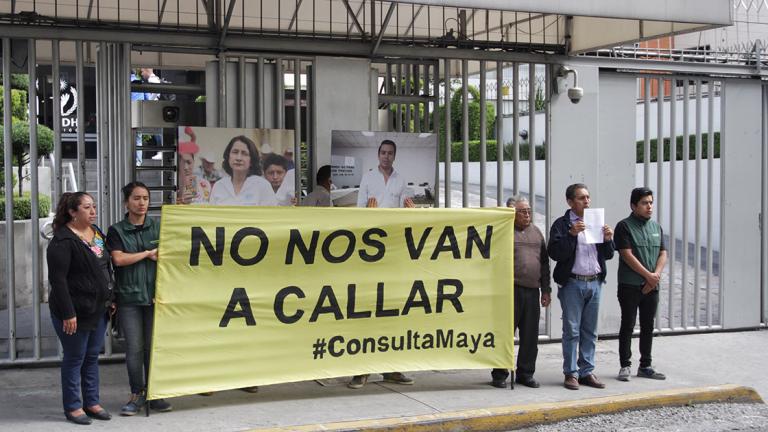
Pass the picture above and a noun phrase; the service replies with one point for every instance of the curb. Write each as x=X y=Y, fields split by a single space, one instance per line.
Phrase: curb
x=517 y=416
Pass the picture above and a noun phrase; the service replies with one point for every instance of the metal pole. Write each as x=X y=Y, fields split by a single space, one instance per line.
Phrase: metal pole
x=646 y=131
x=483 y=130
x=465 y=133
x=417 y=107
x=697 y=213
x=672 y=201
x=532 y=136
x=399 y=91
x=10 y=274
x=260 y=100
x=686 y=145
x=297 y=128
x=515 y=129
x=388 y=91
x=35 y=215
x=710 y=192
x=658 y=200
x=279 y=94
x=80 y=115
x=499 y=137
x=436 y=125
x=448 y=146
x=241 y=91
x=408 y=92
x=222 y=94
x=56 y=117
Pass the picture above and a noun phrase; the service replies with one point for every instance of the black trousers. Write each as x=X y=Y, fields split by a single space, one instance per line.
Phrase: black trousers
x=632 y=299
x=527 y=310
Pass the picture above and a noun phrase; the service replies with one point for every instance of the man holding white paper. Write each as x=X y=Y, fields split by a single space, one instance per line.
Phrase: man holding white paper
x=579 y=273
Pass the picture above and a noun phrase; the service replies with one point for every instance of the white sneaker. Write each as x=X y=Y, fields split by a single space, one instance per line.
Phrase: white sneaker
x=624 y=373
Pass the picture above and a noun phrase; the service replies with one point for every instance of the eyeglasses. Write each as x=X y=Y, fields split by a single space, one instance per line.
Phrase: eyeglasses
x=524 y=211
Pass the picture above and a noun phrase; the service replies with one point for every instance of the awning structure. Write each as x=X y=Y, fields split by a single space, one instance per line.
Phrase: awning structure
x=360 y=28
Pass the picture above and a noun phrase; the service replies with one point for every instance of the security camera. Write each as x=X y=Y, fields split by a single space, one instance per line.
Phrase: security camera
x=575 y=94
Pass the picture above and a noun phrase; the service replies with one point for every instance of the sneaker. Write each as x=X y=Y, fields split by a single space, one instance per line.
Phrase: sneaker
x=160 y=405
x=397 y=378
x=648 y=372
x=624 y=373
x=358 y=381
x=134 y=405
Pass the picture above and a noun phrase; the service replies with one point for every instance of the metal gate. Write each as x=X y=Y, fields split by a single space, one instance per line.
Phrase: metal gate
x=678 y=156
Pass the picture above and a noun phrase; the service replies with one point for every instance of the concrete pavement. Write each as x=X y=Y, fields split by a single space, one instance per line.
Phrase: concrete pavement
x=30 y=398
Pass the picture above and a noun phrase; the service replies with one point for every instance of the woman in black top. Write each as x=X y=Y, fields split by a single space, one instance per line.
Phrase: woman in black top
x=81 y=294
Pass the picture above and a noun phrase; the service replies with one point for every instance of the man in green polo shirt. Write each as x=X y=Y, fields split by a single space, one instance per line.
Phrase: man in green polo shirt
x=640 y=242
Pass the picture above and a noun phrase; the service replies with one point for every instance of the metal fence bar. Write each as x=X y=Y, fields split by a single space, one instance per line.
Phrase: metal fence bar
x=35 y=199
x=697 y=213
x=672 y=201
x=279 y=94
x=646 y=130
x=547 y=171
x=399 y=91
x=532 y=137
x=710 y=193
x=684 y=270
x=222 y=90
x=658 y=199
x=388 y=88
x=417 y=108
x=499 y=140
x=10 y=276
x=447 y=177
x=56 y=117
x=79 y=84
x=260 y=97
x=408 y=92
x=723 y=196
x=483 y=130
x=515 y=128
x=241 y=91
x=297 y=129
x=425 y=117
x=464 y=133
x=436 y=124
x=763 y=208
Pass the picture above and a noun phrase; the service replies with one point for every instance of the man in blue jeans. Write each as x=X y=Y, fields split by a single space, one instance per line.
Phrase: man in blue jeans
x=579 y=273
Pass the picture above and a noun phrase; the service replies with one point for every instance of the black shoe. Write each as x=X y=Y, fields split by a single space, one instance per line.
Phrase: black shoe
x=160 y=405
x=499 y=383
x=134 y=405
x=527 y=381
x=82 y=419
x=99 y=415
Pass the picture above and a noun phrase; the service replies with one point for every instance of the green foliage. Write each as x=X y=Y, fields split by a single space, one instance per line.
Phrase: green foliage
x=457 y=151
x=18 y=103
x=19 y=81
x=22 y=206
x=640 y=148
x=20 y=142
x=474 y=115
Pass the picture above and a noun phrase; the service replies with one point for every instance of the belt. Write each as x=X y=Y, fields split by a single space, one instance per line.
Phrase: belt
x=588 y=278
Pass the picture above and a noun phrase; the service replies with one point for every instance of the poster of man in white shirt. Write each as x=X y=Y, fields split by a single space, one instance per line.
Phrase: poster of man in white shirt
x=383 y=169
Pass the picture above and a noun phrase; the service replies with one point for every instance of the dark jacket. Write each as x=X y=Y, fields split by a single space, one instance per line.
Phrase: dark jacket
x=79 y=287
x=136 y=282
x=562 y=248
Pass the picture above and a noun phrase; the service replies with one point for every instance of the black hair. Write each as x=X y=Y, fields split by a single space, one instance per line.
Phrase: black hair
x=275 y=159
x=255 y=168
x=68 y=201
x=128 y=189
x=388 y=142
x=639 y=193
x=323 y=174
x=570 y=191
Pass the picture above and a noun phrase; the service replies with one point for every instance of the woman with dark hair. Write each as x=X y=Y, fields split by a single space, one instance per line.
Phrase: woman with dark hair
x=243 y=184
x=80 y=275
x=193 y=189
x=132 y=243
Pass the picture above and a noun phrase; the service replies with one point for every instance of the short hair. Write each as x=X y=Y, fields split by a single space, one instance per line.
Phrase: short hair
x=323 y=174
x=513 y=200
x=639 y=193
x=255 y=168
x=387 y=142
x=570 y=191
x=275 y=159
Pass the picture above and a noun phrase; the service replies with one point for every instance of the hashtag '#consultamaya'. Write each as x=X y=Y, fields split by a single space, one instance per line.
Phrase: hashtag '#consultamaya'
x=318 y=348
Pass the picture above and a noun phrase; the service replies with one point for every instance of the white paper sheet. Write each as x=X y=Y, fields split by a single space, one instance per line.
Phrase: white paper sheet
x=594 y=219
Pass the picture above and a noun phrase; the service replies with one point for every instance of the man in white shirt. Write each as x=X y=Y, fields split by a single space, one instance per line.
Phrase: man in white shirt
x=321 y=195
x=384 y=187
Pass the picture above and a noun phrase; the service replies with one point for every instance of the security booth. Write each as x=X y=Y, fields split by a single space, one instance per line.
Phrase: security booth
x=504 y=86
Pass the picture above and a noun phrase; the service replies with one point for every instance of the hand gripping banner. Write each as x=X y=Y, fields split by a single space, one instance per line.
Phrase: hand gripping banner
x=252 y=296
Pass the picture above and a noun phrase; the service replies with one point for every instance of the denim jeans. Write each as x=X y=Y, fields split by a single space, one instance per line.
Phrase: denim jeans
x=136 y=324
x=632 y=299
x=80 y=365
x=580 y=301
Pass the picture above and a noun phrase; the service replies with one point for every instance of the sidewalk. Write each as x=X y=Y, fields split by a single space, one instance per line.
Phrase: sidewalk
x=30 y=399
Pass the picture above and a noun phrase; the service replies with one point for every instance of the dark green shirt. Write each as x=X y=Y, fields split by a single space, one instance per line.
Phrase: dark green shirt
x=646 y=239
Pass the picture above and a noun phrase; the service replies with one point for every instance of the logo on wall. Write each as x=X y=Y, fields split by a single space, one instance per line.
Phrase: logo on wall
x=68 y=98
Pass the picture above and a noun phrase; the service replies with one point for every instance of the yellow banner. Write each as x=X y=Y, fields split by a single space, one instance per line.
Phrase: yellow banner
x=252 y=296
